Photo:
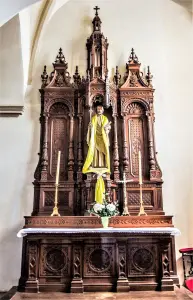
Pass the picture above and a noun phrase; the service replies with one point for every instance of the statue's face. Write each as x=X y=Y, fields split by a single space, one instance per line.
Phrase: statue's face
x=99 y=110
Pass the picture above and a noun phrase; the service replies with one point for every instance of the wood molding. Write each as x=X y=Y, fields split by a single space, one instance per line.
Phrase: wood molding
x=95 y=222
x=11 y=110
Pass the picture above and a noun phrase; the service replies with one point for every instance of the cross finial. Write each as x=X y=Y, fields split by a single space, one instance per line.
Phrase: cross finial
x=96 y=8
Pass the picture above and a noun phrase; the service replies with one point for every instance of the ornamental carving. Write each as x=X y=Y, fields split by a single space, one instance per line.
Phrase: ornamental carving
x=55 y=260
x=122 y=260
x=32 y=253
x=59 y=109
x=65 y=102
x=63 y=198
x=133 y=80
x=77 y=262
x=143 y=259
x=59 y=127
x=99 y=260
x=135 y=108
x=94 y=222
x=134 y=198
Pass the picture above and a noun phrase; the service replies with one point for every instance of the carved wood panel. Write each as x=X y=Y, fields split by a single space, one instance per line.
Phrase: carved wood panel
x=63 y=198
x=143 y=259
x=32 y=260
x=58 y=139
x=134 y=198
x=99 y=260
x=55 y=260
x=136 y=135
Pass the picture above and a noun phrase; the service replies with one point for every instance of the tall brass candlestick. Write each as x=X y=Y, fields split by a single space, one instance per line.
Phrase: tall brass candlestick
x=141 y=210
x=55 y=209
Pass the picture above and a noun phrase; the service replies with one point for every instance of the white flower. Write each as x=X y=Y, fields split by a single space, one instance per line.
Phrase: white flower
x=111 y=207
x=98 y=207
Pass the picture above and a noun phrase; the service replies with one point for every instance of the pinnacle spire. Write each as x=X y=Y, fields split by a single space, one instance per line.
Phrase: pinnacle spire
x=96 y=21
x=133 y=57
x=60 y=59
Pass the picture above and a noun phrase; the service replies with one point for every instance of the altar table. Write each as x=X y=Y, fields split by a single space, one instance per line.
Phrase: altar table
x=87 y=259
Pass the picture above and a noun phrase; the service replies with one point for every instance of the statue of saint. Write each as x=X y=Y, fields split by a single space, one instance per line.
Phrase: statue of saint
x=98 y=159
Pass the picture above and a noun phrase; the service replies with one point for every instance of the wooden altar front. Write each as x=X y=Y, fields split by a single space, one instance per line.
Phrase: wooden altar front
x=142 y=261
x=96 y=259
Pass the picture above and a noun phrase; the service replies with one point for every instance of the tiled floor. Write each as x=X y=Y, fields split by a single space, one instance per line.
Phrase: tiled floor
x=178 y=294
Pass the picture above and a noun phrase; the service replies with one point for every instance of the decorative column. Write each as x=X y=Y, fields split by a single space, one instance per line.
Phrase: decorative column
x=71 y=150
x=80 y=157
x=122 y=281
x=44 y=161
x=77 y=282
x=166 y=283
x=32 y=284
x=125 y=148
x=88 y=191
x=115 y=151
x=150 y=142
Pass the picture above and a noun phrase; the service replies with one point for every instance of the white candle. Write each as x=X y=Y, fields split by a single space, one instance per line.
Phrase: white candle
x=58 y=167
x=140 y=169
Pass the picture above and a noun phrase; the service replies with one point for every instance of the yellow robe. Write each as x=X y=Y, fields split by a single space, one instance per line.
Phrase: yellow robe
x=100 y=187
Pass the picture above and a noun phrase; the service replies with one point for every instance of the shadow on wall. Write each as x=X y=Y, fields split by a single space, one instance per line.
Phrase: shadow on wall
x=180 y=271
x=10 y=249
x=187 y=4
x=11 y=64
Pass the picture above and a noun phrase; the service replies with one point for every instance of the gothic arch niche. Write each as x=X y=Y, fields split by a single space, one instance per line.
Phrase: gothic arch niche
x=58 y=131
x=137 y=132
x=108 y=112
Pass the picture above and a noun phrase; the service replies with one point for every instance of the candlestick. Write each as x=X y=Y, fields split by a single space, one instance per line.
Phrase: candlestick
x=55 y=209
x=58 y=167
x=141 y=210
x=140 y=168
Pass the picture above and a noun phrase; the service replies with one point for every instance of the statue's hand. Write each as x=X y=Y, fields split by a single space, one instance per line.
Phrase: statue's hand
x=107 y=127
x=90 y=125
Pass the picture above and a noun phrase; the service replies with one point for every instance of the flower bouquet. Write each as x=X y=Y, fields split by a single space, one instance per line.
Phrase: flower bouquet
x=105 y=210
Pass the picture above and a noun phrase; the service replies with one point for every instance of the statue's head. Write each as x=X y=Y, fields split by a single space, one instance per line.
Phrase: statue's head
x=99 y=109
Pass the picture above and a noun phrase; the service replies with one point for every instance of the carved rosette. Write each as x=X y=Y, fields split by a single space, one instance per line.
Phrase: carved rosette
x=99 y=261
x=143 y=260
x=55 y=261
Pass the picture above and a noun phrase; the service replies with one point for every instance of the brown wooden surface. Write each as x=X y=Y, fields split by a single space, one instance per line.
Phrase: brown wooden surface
x=95 y=222
x=105 y=261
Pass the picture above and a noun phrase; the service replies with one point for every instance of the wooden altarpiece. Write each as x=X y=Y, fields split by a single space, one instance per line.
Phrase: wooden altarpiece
x=80 y=262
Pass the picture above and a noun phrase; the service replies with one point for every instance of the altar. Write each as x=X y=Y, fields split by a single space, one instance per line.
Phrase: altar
x=98 y=259
x=97 y=146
